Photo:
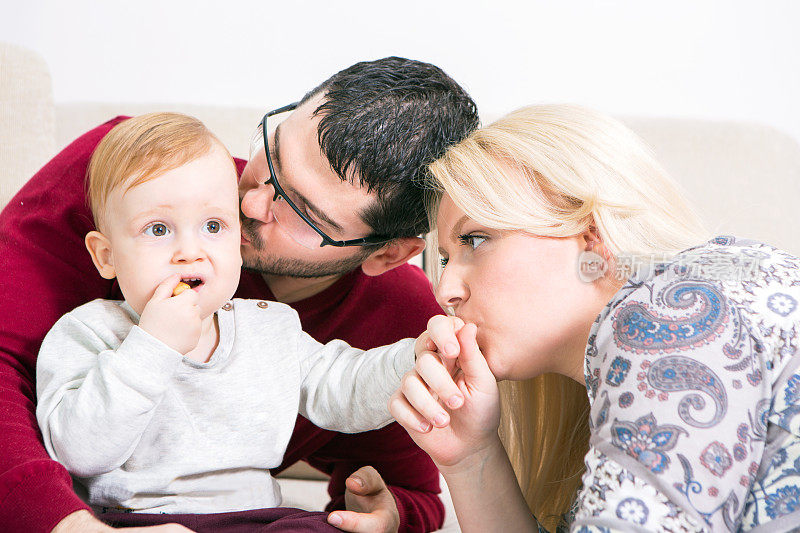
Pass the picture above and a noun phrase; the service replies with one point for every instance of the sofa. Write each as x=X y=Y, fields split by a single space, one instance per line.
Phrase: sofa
x=744 y=177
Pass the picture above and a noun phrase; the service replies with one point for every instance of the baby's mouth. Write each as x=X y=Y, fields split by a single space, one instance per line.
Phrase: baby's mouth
x=192 y=282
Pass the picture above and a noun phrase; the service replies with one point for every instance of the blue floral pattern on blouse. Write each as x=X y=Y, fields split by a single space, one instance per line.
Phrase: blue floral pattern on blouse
x=694 y=381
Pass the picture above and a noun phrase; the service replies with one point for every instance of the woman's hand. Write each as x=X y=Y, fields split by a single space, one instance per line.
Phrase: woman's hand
x=449 y=403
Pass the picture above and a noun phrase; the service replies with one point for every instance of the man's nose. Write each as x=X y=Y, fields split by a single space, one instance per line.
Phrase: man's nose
x=452 y=290
x=257 y=203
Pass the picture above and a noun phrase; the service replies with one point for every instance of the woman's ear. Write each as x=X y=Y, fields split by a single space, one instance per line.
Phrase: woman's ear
x=594 y=243
x=100 y=249
x=590 y=238
x=392 y=255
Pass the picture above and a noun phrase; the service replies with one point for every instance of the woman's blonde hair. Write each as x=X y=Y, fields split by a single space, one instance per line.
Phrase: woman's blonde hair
x=140 y=149
x=559 y=171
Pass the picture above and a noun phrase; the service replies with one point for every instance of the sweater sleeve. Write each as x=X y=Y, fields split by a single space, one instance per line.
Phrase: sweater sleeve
x=95 y=401
x=383 y=309
x=676 y=376
x=46 y=271
x=346 y=389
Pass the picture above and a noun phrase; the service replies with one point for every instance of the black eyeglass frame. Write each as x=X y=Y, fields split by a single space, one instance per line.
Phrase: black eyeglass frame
x=273 y=180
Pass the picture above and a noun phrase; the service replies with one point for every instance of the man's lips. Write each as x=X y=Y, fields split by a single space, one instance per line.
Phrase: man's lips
x=244 y=231
x=249 y=226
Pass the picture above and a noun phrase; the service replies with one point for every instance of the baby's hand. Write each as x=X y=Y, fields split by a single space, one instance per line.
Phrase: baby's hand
x=441 y=335
x=174 y=320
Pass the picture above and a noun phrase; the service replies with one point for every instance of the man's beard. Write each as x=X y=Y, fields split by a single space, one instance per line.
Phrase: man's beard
x=295 y=268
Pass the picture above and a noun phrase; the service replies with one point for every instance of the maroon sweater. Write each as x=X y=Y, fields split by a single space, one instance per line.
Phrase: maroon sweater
x=46 y=271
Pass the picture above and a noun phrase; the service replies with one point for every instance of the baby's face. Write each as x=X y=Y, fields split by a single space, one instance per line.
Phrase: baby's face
x=185 y=221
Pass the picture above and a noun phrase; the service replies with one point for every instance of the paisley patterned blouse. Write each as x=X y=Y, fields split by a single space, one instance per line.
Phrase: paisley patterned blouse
x=692 y=374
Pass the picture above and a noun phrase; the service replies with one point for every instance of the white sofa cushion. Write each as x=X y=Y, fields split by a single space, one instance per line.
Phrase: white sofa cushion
x=27 y=127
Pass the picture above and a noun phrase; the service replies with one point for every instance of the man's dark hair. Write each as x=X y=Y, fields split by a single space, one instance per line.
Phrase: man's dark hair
x=382 y=123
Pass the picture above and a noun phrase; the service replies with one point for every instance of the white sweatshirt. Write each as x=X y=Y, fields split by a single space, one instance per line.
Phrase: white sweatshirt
x=143 y=428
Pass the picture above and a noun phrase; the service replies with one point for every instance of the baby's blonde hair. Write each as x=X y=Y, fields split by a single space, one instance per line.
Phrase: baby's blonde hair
x=140 y=149
x=559 y=171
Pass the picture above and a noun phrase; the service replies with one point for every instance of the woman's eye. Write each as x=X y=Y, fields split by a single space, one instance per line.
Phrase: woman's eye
x=473 y=241
x=443 y=262
x=156 y=230
x=213 y=226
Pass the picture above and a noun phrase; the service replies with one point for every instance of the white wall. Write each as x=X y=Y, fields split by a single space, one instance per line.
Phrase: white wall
x=684 y=58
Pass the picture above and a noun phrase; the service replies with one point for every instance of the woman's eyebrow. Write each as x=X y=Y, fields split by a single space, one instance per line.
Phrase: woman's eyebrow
x=457 y=227
x=455 y=231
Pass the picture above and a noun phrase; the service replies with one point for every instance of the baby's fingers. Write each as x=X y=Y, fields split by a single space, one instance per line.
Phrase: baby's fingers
x=442 y=334
x=407 y=416
x=420 y=397
x=425 y=344
x=439 y=380
x=165 y=288
x=189 y=296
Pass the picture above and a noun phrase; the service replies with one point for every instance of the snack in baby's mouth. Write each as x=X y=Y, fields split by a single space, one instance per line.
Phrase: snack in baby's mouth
x=179 y=288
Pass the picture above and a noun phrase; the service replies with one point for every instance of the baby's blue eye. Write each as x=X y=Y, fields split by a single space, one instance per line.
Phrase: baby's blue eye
x=473 y=241
x=156 y=230
x=213 y=226
x=443 y=262
x=477 y=241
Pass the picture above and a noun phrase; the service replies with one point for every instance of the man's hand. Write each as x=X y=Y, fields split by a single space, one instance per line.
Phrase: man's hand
x=85 y=522
x=370 y=505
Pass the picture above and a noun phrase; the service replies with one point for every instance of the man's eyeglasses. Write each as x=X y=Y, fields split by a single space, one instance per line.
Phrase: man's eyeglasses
x=285 y=210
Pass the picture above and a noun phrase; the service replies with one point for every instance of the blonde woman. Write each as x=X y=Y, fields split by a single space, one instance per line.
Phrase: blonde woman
x=625 y=339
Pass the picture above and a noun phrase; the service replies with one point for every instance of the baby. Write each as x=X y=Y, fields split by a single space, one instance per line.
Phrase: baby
x=182 y=403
